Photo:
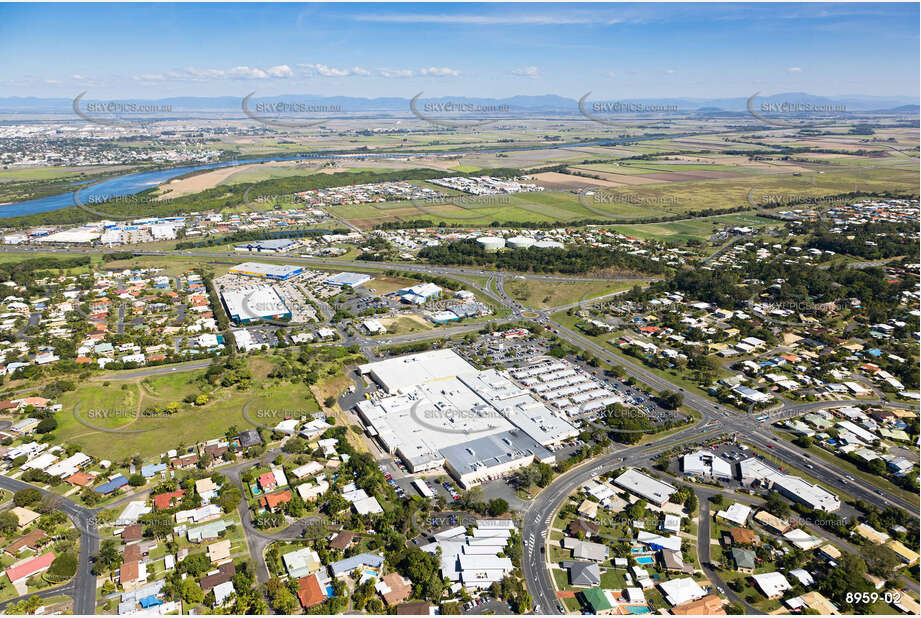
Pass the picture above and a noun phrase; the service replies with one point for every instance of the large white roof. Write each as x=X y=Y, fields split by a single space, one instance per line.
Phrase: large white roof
x=645 y=486
x=396 y=374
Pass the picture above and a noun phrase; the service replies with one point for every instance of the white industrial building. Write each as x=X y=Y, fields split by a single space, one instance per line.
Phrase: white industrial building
x=652 y=490
x=395 y=374
x=348 y=280
x=473 y=560
x=793 y=487
x=373 y=326
x=706 y=463
x=478 y=424
x=250 y=304
x=78 y=235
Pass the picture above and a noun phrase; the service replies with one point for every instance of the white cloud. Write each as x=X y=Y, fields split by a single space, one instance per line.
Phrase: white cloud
x=611 y=74
x=195 y=74
x=532 y=72
x=482 y=20
x=439 y=72
x=794 y=70
x=670 y=71
x=149 y=77
x=281 y=71
x=328 y=71
x=395 y=73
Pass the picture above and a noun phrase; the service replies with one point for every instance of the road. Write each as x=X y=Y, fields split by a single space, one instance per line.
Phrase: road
x=83 y=587
x=538 y=517
x=703 y=551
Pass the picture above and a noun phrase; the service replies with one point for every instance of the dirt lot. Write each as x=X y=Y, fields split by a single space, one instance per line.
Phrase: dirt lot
x=621 y=180
x=555 y=181
x=198 y=182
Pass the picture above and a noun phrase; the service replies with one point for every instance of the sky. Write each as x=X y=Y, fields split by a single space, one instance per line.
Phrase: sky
x=444 y=49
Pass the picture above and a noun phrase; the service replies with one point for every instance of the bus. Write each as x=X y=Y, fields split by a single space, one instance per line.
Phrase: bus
x=423 y=488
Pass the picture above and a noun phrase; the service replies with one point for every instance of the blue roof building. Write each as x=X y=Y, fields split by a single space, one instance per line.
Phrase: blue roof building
x=343 y=567
x=151 y=469
x=117 y=483
x=150 y=601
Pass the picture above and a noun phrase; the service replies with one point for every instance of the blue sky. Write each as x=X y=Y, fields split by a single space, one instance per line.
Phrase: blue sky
x=488 y=50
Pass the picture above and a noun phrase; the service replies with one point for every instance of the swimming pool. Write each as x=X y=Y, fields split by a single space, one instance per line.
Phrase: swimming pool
x=644 y=560
x=637 y=609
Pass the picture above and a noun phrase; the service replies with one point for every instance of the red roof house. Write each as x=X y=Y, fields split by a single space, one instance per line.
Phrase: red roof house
x=30 y=567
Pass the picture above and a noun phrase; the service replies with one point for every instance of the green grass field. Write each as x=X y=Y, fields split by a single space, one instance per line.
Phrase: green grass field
x=654 y=200
x=535 y=294
x=121 y=399
x=701 y=228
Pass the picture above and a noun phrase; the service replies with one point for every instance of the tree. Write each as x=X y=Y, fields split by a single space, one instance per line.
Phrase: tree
x=9 y=523
x=691 y=504
x=47 y=425
x=26 y=606
x=26 y=497
x=157 y=526
x=777 y=505
x=195 y=564
x=136 y=480
x=229 y=499
x=670 y=400
x=108 y=558
x=190 y=591
x=881 y=561
x=497 y=506
x=280 y=596
x=64 y=567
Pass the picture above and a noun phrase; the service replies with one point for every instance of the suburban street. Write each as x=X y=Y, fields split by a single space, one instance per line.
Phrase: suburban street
x=538 y=516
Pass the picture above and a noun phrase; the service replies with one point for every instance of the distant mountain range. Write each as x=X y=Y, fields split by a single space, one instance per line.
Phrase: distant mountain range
x=533 y=104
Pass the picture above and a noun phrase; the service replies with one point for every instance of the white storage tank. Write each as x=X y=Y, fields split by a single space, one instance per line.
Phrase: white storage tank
x=491 y=243
x=548 y=244
x=520 y=242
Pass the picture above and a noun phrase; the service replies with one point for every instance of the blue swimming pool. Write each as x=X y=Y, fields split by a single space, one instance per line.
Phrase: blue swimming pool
x=637 y=609
x=644 y=560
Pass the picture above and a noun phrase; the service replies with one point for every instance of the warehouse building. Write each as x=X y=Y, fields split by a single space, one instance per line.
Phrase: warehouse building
x=277 y=272
x=652 y=490
x=275 y=245
x=754 y=470
x=348 y=280
x=395 y=374
x=479 y=425
x=419 y=294
x=255 y=303
x=492 y=457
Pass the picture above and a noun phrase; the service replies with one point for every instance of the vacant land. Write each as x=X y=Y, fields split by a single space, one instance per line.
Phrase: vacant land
x=546 y=294
x=105 y=416
x=701 y=228
x=405 y=325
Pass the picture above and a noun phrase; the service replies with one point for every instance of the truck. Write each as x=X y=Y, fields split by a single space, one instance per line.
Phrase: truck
x=423 y=488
